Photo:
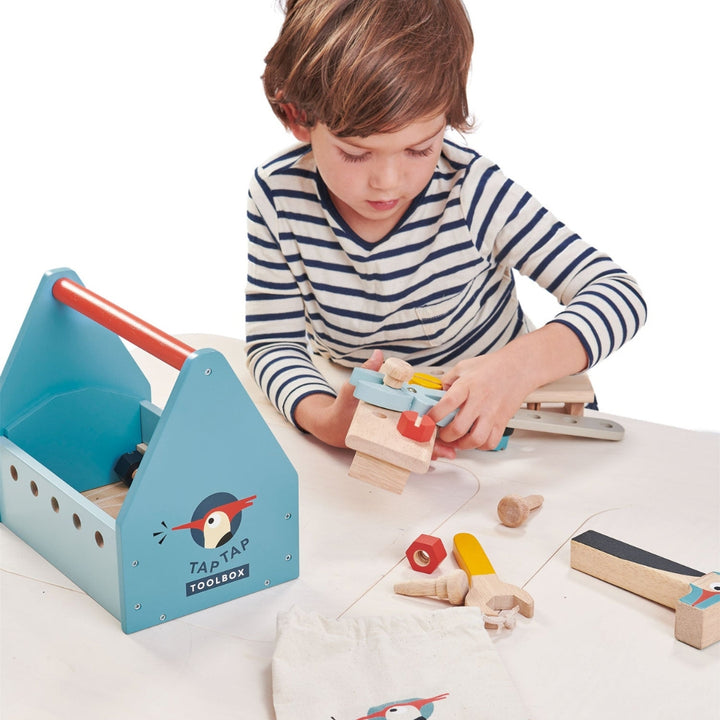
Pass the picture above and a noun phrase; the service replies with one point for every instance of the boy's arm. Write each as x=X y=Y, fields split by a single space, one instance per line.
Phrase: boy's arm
x=275 y=342
x=603 y=309
x=603 y=304
x=328 y=418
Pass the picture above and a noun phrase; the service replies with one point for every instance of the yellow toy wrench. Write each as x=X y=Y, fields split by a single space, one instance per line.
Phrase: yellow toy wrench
x=487 y=591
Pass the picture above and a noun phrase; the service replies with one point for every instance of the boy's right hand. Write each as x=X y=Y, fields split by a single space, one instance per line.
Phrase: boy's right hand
x=328 y=418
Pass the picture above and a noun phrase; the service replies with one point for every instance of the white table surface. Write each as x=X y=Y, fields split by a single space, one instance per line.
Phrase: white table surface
x=591 y=651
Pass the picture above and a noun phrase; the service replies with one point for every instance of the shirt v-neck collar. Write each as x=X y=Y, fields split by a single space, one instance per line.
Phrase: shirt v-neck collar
x=328 y=205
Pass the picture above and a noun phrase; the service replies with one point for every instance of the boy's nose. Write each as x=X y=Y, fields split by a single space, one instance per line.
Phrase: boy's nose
x=384 y=174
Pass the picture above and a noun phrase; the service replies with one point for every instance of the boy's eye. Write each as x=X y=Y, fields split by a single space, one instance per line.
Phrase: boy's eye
x=349 y=157
x=420 y=153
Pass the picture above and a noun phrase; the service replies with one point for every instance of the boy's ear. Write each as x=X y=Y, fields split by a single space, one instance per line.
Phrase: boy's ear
x=295 y=121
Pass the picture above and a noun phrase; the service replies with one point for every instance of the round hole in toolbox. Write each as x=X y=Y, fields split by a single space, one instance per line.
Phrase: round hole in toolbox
x=421 y=558
x=379 y=414
x=99 y=539
x=76 y=521
x=54 y=504
x=34 y=488
x=13 y=473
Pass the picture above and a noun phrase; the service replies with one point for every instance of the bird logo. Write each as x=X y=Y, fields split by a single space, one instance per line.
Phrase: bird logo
x=216 y=519
x=413 y=709
x=704 y=593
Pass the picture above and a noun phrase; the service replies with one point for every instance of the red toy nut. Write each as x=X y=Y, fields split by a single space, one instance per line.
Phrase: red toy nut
x=414 y=427
x=426 y=553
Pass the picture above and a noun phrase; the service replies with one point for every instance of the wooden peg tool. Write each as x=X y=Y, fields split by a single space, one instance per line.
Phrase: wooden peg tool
x=487 y=591
x=452 y=587
x=396 y=371
x=695 y=596
x=513 y=510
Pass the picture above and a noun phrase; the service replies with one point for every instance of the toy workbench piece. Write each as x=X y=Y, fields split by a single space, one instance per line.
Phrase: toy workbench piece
x=694 y=595
x=392 y=435
x=572 y=393
x=390 y=432
x=211 y=513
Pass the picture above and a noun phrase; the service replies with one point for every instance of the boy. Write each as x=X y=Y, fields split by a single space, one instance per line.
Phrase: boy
x=378 y=235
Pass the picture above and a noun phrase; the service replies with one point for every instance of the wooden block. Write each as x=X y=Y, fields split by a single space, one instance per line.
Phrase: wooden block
x=697 y=620
x=373 y=432
x=379 y=473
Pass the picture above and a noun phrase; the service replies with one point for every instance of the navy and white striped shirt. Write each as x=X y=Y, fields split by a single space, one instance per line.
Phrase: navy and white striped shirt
x=436 y=289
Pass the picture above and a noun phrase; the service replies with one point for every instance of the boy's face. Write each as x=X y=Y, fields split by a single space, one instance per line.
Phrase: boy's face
x=373 y=180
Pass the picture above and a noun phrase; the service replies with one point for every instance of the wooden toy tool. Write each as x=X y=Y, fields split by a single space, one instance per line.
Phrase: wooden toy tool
x=513 y=510
x=487 y=591
x=452 y=587
x=694 y=595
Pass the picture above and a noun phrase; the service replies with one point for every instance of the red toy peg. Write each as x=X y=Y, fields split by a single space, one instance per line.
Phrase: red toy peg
x=416 y=427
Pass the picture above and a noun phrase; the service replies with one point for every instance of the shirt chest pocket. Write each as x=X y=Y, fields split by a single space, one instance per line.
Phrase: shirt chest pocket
x=444 y=319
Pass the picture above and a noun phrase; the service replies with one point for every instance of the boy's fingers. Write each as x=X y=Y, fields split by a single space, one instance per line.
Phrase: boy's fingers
x=375 y=361
x=447 y=403
x=441 y=450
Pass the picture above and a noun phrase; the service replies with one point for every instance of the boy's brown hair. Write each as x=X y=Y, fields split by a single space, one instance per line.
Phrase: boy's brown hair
x=363 y=67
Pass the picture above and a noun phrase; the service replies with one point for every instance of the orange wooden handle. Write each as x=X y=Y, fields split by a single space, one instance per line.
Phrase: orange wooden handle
x=163 y=346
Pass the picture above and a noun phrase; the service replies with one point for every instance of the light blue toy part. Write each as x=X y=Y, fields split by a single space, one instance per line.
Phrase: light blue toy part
x=369 y=388
x=72 y=401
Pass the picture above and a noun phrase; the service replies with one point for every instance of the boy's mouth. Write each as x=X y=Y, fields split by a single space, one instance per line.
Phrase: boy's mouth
x=383 y=205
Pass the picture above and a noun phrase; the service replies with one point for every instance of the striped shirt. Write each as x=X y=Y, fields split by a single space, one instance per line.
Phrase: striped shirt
x=436 y=289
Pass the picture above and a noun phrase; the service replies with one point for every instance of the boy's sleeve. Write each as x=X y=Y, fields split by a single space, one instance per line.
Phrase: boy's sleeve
x=604 y=306
x=275 y=341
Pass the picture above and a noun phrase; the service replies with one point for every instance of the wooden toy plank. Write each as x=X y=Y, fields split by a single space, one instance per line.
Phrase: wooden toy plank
x=563 y=424
x=570 y=389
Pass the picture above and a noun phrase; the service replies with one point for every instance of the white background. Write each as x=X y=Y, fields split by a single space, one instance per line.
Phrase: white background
x=128 y=131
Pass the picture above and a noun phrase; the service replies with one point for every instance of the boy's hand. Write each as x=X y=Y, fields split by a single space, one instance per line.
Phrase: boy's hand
x=328 y=418
x=486 y=391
